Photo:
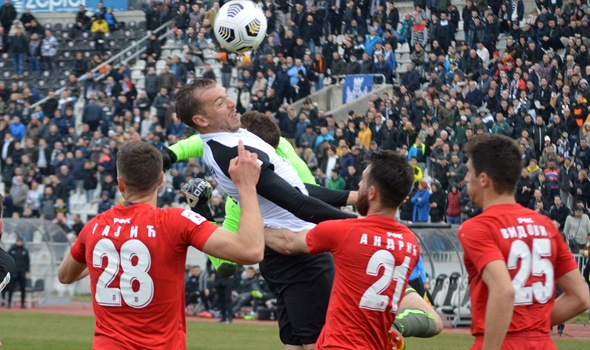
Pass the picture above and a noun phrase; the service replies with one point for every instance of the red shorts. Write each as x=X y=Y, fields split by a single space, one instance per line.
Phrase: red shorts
x=521 y=341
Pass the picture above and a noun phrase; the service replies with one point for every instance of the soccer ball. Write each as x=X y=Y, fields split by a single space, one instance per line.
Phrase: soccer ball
x=240 y=26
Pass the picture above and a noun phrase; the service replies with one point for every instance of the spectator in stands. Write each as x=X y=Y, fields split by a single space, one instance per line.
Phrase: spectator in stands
x=98 y=29
x=181 y=20
x=336 y=182
x=34 y=55
x=337 y=67
x=7 y=16
x=420 y=200
x=153 y=48
x=576 y=229
x=411 y=79
x=81 y=23
x=18 y=193
x=166 y=79
x=161 y=103
x=48 y=49
x=100 y=11
x=109 y=17
x=26 y=18
x=105 y=203
x=18 y=47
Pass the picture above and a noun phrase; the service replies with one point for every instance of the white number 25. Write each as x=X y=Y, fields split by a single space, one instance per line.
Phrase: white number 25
x=138 y=273
x=536 y=261
x=373 y=299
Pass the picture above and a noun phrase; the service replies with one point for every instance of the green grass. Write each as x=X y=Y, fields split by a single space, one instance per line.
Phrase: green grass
x=30 y=331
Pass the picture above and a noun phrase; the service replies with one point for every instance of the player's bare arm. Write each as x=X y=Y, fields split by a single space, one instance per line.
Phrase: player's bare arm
x=352 y=198
x=247 y=247
x=70 y=270
x=500 y=305
x=286 y=241
x=574 y=300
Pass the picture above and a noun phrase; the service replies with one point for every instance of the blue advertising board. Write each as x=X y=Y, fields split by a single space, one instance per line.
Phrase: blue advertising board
x=356 y=86
x=38 y=6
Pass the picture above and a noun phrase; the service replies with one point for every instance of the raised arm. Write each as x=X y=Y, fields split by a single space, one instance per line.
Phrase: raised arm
x=336 y=198
x=272 y=187
x=191 y=147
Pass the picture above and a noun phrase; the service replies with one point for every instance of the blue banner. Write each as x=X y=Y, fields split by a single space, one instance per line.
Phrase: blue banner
x=38 y=6
x=356 y=86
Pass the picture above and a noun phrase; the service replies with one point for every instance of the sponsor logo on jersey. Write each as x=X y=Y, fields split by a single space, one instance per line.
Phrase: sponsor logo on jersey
x=122 y=221
x=525 y=221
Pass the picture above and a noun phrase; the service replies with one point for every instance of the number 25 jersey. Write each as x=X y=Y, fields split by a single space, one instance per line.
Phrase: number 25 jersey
x=535 y=254
x=136 y=257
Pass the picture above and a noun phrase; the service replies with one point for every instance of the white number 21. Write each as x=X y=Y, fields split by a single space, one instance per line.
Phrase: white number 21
x=132 y=273
x=536 y=261
x=373 y=299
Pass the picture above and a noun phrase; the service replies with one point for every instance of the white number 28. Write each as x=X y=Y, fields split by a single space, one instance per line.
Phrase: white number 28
x=132 y=273
x=373 y=299
x=534 y=262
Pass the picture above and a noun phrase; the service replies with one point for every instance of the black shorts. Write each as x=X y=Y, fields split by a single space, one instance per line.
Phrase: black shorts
x=302 y=285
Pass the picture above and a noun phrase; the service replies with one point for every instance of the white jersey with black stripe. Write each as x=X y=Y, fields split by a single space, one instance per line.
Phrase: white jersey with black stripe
x=220 y=148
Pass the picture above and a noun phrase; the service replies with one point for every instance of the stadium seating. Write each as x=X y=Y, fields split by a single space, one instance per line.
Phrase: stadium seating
x=440 y=290
x=451 y=299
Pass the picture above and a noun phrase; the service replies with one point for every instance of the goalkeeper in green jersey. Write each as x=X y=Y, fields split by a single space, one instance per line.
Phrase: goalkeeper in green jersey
x=198 y=194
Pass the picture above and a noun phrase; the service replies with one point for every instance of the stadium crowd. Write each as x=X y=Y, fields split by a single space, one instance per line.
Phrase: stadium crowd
x=458 y=82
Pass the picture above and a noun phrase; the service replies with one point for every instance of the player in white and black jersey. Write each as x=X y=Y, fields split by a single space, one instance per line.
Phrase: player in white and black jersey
x=302 y=284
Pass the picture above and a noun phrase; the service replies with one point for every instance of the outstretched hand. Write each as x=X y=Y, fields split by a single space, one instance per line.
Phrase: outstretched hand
x=245 y=168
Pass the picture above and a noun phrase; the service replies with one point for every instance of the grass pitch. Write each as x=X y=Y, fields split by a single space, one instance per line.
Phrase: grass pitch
x=31 y=331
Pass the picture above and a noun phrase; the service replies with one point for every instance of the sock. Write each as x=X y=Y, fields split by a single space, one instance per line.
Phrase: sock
x=411 y=322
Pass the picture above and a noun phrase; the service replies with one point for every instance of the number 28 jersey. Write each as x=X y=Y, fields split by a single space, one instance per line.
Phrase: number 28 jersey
x=136 y=257
x=374 y=257
x=535 y=254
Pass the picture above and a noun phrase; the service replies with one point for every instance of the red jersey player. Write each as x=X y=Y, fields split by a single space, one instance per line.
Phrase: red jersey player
x=514 y=257
x=373 y=256
x=136 y=253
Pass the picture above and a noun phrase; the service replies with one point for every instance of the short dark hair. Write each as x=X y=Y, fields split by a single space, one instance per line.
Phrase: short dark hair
x=139 y=165
x=499 y=157
x=391 y=174
x=188 y=103
x=262 y=126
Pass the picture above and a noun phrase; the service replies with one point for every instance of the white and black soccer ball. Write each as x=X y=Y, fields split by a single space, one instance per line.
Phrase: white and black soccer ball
x=240 y=26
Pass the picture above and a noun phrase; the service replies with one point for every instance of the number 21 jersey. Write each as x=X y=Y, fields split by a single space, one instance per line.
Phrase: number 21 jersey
x=535 y=254
x=374 y=257
x=136 y=257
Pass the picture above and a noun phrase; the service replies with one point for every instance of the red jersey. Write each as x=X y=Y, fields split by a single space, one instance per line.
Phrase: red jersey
x=136 y=256
x=374 y=258
x=535 y=254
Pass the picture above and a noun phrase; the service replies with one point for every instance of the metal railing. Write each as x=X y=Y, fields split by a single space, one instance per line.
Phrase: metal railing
x=114 y=58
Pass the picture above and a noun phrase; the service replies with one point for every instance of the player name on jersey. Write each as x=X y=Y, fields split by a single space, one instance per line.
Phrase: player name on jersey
x=132 y=231
x=524 y=231
x=394 y=241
